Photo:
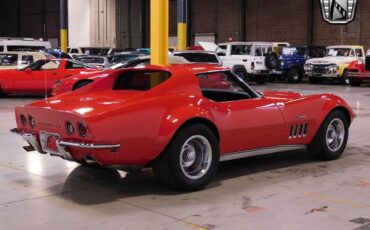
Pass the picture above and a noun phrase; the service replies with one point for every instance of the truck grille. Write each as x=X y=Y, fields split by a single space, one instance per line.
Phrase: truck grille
x=322 y=69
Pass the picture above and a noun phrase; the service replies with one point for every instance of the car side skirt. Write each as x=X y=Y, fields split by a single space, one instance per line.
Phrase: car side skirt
x=261 y=151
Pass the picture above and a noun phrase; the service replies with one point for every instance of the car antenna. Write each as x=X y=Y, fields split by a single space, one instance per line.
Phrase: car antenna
x=45 y=85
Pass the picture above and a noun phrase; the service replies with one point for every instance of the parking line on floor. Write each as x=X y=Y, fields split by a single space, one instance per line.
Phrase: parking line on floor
x=336 y=200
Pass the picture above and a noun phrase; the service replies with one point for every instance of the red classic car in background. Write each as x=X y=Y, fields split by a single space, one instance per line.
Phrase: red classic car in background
x=359 y=72
x=40 y=76
x=181 y=121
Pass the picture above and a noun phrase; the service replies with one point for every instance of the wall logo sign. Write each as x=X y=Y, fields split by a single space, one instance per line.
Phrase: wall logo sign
x=338 y=11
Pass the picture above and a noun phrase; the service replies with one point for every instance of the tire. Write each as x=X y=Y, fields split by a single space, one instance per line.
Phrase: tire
x=344 y=79
x=271 y=60
x=241 y=72
x=1 y=92
x=261 y=79
x=326 y=148
x=81 y=84
x=315 y=80
x=173 y=166
x=294 y=75
x=355 y=82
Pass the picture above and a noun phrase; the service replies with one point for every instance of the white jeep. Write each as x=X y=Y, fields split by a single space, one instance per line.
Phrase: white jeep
x=249 y=60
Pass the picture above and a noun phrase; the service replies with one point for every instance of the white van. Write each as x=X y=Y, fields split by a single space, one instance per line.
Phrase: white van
x=20 y=44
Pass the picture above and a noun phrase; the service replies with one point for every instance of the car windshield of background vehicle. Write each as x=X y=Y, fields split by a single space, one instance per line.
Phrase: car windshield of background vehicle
x=73 y=64
x=123 y=58
x=198 y=57
x=340 y=52
x=91 y=60
x=140 y=80
x=8 y=59
x=240 y=50
x=26 y=48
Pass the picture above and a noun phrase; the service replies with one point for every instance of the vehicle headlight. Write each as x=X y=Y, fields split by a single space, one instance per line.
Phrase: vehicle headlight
x=282 y=63
x=308 y=67
x=333 y=68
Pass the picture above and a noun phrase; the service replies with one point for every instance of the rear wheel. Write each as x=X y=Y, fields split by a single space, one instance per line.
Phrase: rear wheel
x=294 y=75
x=331 y=139
x=190 y=160
x=241 y=72
x=355 y=82
x=261 y=79
x=345 y=80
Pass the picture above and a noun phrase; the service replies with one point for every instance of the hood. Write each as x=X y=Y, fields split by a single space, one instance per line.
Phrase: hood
x=88 y=104
x=331 y=60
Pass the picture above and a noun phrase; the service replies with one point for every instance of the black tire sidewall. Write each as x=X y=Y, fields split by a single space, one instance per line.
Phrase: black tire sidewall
x=271 y=60
x=291 y=74
x=241 y=72
x=174 y=150
x=320 y=148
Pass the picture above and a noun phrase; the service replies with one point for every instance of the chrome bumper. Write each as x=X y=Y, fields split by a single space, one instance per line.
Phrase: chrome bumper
x=41 y=147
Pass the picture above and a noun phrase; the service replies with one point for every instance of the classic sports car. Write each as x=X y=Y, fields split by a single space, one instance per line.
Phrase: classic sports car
x=40 y=76
x=80 y=80
x=181 y=121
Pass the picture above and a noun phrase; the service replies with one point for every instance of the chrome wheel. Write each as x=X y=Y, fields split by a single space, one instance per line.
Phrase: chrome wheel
x=335 y=134
x=196 y=157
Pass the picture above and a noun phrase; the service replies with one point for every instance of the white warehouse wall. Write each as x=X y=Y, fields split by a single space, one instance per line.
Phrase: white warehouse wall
x=79 y=23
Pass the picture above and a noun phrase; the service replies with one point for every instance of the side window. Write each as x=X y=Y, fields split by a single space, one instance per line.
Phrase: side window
x=74 y=51
x=1 y=48
x=74 y=65
x=51 y=65
x=8 y=59
x=266 y=50
x=27 y=59
x=359 y=53
x=140 y=80
x=258 y=51
x=240 y=50
x=352 y=53
x=222 y=87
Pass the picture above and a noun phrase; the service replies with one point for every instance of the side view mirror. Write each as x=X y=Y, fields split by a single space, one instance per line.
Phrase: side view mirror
x=27 y=70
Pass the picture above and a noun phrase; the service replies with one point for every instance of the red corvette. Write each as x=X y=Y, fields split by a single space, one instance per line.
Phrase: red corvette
x=181 y=121
x=34 y=78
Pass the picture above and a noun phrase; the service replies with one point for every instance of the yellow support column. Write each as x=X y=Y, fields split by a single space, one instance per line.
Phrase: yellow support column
x=63 y=25
x=159 y=10
x=181 y=24
x=63 y=40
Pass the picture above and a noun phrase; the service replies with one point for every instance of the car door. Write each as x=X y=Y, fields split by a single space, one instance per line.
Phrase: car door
x=244 y=123
x=38 y=77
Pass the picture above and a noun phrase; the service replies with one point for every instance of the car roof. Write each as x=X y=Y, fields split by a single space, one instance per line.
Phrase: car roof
x=22 y=52
x=195 y=51
x=246 y=43
x=346 y=46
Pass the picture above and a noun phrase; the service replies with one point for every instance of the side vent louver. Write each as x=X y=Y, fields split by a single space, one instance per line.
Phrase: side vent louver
x=298 y=131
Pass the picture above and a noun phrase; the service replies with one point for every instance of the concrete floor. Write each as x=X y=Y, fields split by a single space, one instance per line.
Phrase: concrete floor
x=281 y=191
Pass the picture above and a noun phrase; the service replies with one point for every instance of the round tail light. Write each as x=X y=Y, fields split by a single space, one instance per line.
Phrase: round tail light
x=31 y=121
x=23 y=120
x=82 y=130
x=70 y=128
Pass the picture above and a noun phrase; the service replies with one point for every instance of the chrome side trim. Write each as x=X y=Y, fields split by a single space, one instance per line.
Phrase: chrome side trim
x=87 y=146
x=262 y=151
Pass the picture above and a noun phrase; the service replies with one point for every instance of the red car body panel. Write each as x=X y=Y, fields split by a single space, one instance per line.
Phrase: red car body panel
x=143 y=123
x=34 y=81
x=357 y=71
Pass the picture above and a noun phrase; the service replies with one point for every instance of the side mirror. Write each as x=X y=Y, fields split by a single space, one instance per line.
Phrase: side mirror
x=27 y=70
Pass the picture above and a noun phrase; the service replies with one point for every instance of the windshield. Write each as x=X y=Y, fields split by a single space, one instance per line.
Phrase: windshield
x=199 y=57
x=339 y=52
x=124 y=57
x=91 y=60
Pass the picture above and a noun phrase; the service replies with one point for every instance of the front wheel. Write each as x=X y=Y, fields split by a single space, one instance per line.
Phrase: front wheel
x=294 y=75
x=190 y=160
x=345 y=80
x=331 y=139
x=355 y=82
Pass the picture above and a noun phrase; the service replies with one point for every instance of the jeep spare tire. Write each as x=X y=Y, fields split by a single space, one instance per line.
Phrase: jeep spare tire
x=271 y=61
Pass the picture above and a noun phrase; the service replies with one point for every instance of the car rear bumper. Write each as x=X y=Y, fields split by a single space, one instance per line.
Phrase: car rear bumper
x=40 y=144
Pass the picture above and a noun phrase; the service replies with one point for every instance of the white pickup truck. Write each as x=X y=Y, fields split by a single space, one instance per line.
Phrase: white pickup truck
x=252 y=61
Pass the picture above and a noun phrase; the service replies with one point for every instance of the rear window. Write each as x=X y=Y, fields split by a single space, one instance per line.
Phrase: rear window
x=140 y=81
x=91 y=60
x=198 y=57
x=26 y=48
x=240 y=50
x=8 y=59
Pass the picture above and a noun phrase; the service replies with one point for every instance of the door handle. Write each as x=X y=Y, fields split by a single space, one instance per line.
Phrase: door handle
x=54 y=73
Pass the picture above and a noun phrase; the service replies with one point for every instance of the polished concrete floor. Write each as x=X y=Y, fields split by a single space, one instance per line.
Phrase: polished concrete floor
x=281 y=191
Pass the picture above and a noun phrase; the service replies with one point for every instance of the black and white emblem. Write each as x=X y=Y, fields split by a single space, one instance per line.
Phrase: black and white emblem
x=338 y=11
